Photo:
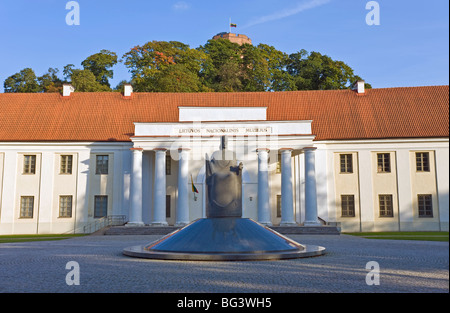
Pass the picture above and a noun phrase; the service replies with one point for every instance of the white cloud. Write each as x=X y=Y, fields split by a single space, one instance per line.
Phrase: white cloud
x=181 y=6
x=306 y=5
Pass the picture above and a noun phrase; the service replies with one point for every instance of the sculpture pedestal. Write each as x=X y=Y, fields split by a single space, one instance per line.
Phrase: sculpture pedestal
x=224 y=239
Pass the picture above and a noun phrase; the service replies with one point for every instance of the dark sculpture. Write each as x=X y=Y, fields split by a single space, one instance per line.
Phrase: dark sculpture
x=224 y=235
x=224 y=183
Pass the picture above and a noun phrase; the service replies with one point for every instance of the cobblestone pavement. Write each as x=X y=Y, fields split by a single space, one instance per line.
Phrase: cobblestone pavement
x=405 y=266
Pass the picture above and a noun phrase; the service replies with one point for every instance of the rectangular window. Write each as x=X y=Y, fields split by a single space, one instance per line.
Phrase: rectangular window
x=386 y=206
x=100 y=206
x=101 y=166
x=65 y=206
x=422 y=161
x=167 y=206
x=384 y=162
x=66 y=164
x=348 y=205
x=425 y=205
x=278 y=205
x=168 y=165
x=29 y=164
x=26 y=206
x=346 y=161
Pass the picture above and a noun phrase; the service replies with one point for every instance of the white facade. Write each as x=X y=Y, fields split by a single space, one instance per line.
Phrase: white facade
x=149 y=179
x=47 y=184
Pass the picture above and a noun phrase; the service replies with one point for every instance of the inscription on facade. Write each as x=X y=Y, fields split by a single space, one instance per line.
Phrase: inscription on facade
x=236 y=131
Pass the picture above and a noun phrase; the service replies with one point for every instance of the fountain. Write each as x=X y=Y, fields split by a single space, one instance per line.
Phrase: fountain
x=224 y=235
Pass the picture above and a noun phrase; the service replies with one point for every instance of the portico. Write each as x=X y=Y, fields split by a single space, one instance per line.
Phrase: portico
x=278 y=189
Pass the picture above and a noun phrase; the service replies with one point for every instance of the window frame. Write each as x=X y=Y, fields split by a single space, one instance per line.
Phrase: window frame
x=96 y=209
x=278 y=165
x=278 y=206
x=25 y=211
x=30 y=168
x=349 y=209
x=385 y=165
x=425 y=209
x=65 y=160
x=168 y=164
x=346 y=159
x=168 y=206
x=422 y=164
x=100 y=167
x=383 y=208
x=66 y=211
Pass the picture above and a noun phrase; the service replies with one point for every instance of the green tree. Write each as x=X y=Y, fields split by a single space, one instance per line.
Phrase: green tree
x=228 y=78
x=100 y=65
x=314 y=71
x=177 y=78
x=153 y=65
x=50 y=82
x=85 y=81
x=265 y=69
x=24 y=81
x=255 y=69
x=233 y=67
x=222 y=70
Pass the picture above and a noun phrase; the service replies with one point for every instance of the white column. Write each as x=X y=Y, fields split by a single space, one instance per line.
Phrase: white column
x=287 y=201
x=136 y=189
x=182 y=215
x=159 y=191
x=310 y=189
x=263 y=188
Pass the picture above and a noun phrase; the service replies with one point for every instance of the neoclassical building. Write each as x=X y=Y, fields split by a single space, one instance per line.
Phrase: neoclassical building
x=366 y=160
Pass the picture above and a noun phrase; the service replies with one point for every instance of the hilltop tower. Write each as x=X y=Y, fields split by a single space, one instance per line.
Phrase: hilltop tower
x=240 y=39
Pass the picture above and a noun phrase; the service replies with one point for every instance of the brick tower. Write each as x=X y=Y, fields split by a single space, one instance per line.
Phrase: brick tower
x=236 y=38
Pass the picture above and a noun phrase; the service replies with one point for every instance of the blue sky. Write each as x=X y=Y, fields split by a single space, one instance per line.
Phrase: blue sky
x=410 y=47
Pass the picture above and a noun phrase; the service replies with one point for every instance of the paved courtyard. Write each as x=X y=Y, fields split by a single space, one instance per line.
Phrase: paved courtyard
x=405 y=266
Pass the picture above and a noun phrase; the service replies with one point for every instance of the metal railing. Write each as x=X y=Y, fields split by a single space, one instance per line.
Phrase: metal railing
x=111 y=220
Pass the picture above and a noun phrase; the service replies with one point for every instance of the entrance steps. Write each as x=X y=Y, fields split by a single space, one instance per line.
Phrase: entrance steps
x=164 y=230
x=310 y=230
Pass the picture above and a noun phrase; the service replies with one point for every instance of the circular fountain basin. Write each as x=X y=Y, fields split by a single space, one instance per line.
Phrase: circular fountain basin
x=224 y=239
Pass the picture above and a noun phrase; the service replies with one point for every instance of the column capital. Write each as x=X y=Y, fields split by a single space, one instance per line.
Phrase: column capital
x=285 y=151
x=309 y=148
x=137 y=149
x=263 y=150
x=183 y=149
x=160 y=149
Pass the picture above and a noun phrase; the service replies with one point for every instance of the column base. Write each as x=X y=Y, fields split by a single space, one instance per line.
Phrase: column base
x=134 y=224
x=288 y=224
x=311 y=224
x=181 y=224
x=158 y=224
x=266 y=223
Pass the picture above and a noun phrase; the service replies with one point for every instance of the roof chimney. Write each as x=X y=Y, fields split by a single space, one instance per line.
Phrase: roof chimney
x=67 y=90
x=359 y=86
x=127 y=90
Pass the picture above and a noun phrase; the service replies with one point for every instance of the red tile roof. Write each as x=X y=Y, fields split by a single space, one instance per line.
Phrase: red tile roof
x=407 y=112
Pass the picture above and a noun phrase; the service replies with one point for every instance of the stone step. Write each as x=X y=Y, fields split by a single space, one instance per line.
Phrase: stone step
x=164 y=230
x=302 y=230
x=144 y=230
